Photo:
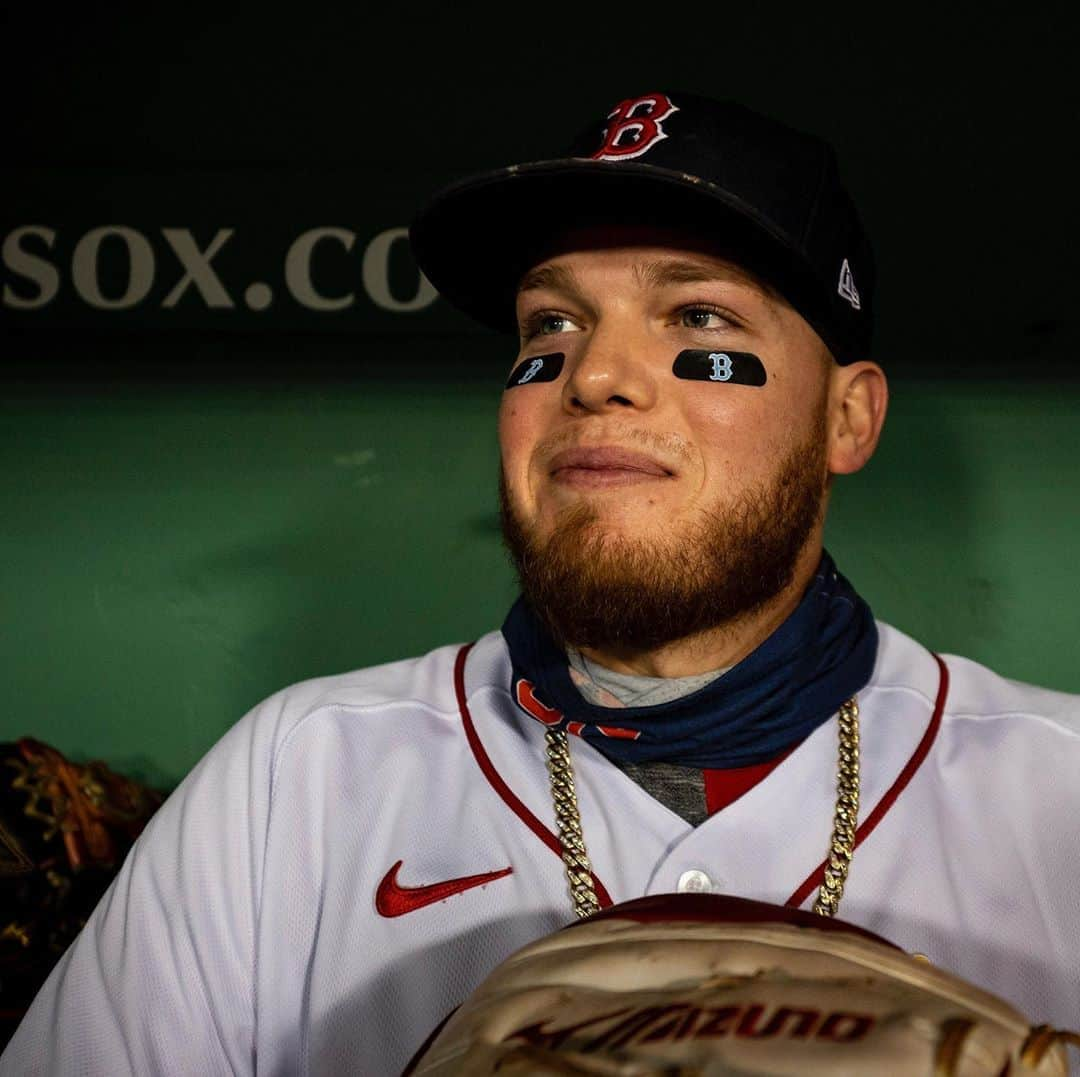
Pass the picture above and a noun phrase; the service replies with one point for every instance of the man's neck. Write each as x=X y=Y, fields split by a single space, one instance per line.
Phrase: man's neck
x=718 y=648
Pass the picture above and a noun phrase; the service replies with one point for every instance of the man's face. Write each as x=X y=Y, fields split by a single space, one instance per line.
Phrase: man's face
x=640 y=507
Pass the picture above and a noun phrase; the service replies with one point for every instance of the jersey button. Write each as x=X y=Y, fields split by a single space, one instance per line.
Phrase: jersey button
x=695 y=881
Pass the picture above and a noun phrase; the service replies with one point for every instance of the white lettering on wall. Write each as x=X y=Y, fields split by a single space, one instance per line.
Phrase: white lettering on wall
x=198 y=269
x=298 y=268
x=34 y=279
x=17 y=259
x=85 y=260
x=375 y=272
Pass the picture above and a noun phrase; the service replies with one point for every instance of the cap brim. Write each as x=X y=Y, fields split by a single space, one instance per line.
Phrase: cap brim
x=476 y=239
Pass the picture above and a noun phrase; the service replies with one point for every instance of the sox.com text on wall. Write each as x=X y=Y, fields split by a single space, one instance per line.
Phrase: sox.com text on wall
x=323 y=270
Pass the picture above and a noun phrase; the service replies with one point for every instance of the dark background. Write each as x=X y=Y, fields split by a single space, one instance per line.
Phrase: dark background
x=202 y=505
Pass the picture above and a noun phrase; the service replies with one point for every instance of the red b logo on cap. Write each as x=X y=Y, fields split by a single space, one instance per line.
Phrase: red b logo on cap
x=635 y=127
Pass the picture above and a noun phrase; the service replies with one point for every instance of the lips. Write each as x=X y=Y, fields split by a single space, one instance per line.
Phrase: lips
x=608 y=459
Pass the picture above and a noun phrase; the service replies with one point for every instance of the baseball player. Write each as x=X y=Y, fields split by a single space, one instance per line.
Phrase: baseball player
x=689 y=696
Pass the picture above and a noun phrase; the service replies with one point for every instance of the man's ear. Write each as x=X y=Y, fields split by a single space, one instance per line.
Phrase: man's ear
x=858 y=399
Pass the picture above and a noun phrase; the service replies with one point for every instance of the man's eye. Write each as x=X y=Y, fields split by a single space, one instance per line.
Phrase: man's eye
x=549 y=324
x=546 y=324
x=703 y=318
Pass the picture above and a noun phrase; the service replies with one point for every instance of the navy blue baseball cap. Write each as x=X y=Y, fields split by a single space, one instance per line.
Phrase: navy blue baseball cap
x=767 y=196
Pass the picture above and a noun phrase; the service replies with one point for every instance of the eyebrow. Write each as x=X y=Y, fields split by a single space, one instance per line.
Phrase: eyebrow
x=555 y=277
x=669 y=271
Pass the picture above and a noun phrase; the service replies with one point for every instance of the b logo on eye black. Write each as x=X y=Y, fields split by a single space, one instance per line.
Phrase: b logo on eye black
x=735 y=368
x=721 y=367
x=534 y=368
x=541 y=368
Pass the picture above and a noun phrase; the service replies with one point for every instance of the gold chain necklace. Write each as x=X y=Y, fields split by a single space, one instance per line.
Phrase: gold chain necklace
x=841 y=845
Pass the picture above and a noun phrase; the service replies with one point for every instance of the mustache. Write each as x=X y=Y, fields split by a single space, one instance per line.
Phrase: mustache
x=623 y=434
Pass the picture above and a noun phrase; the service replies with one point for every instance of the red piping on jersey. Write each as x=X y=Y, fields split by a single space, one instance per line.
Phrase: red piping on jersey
x=496 y=781
x=817 y=876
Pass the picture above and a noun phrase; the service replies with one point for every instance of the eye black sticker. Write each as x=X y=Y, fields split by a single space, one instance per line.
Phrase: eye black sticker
x=736 y=368
x=540 y=368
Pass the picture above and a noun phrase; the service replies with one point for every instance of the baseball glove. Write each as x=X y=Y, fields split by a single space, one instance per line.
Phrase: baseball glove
x=701 y=984
x=64 y=831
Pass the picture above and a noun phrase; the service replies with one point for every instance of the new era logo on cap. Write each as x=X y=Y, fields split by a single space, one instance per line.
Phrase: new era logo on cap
x=847 y=288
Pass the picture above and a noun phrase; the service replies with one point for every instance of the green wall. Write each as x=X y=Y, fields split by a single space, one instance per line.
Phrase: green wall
x=175 y=551
x=202 y=504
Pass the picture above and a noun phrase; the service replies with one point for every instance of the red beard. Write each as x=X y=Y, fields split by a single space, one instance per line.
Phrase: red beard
x=597 y=590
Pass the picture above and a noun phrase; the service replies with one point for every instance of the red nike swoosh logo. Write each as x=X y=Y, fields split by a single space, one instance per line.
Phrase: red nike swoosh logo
x=393 y=899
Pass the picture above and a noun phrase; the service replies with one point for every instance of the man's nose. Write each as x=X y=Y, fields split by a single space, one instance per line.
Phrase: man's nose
x=611 y=371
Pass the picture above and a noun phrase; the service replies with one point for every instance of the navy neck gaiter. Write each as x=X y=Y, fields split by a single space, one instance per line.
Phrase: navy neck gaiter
x=793 y=682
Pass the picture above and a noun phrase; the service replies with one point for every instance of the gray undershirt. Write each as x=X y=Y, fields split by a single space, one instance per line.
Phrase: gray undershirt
x=680 y=789
x=631 y=689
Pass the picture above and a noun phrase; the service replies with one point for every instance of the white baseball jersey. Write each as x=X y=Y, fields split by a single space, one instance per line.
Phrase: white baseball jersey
x=353 y=857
